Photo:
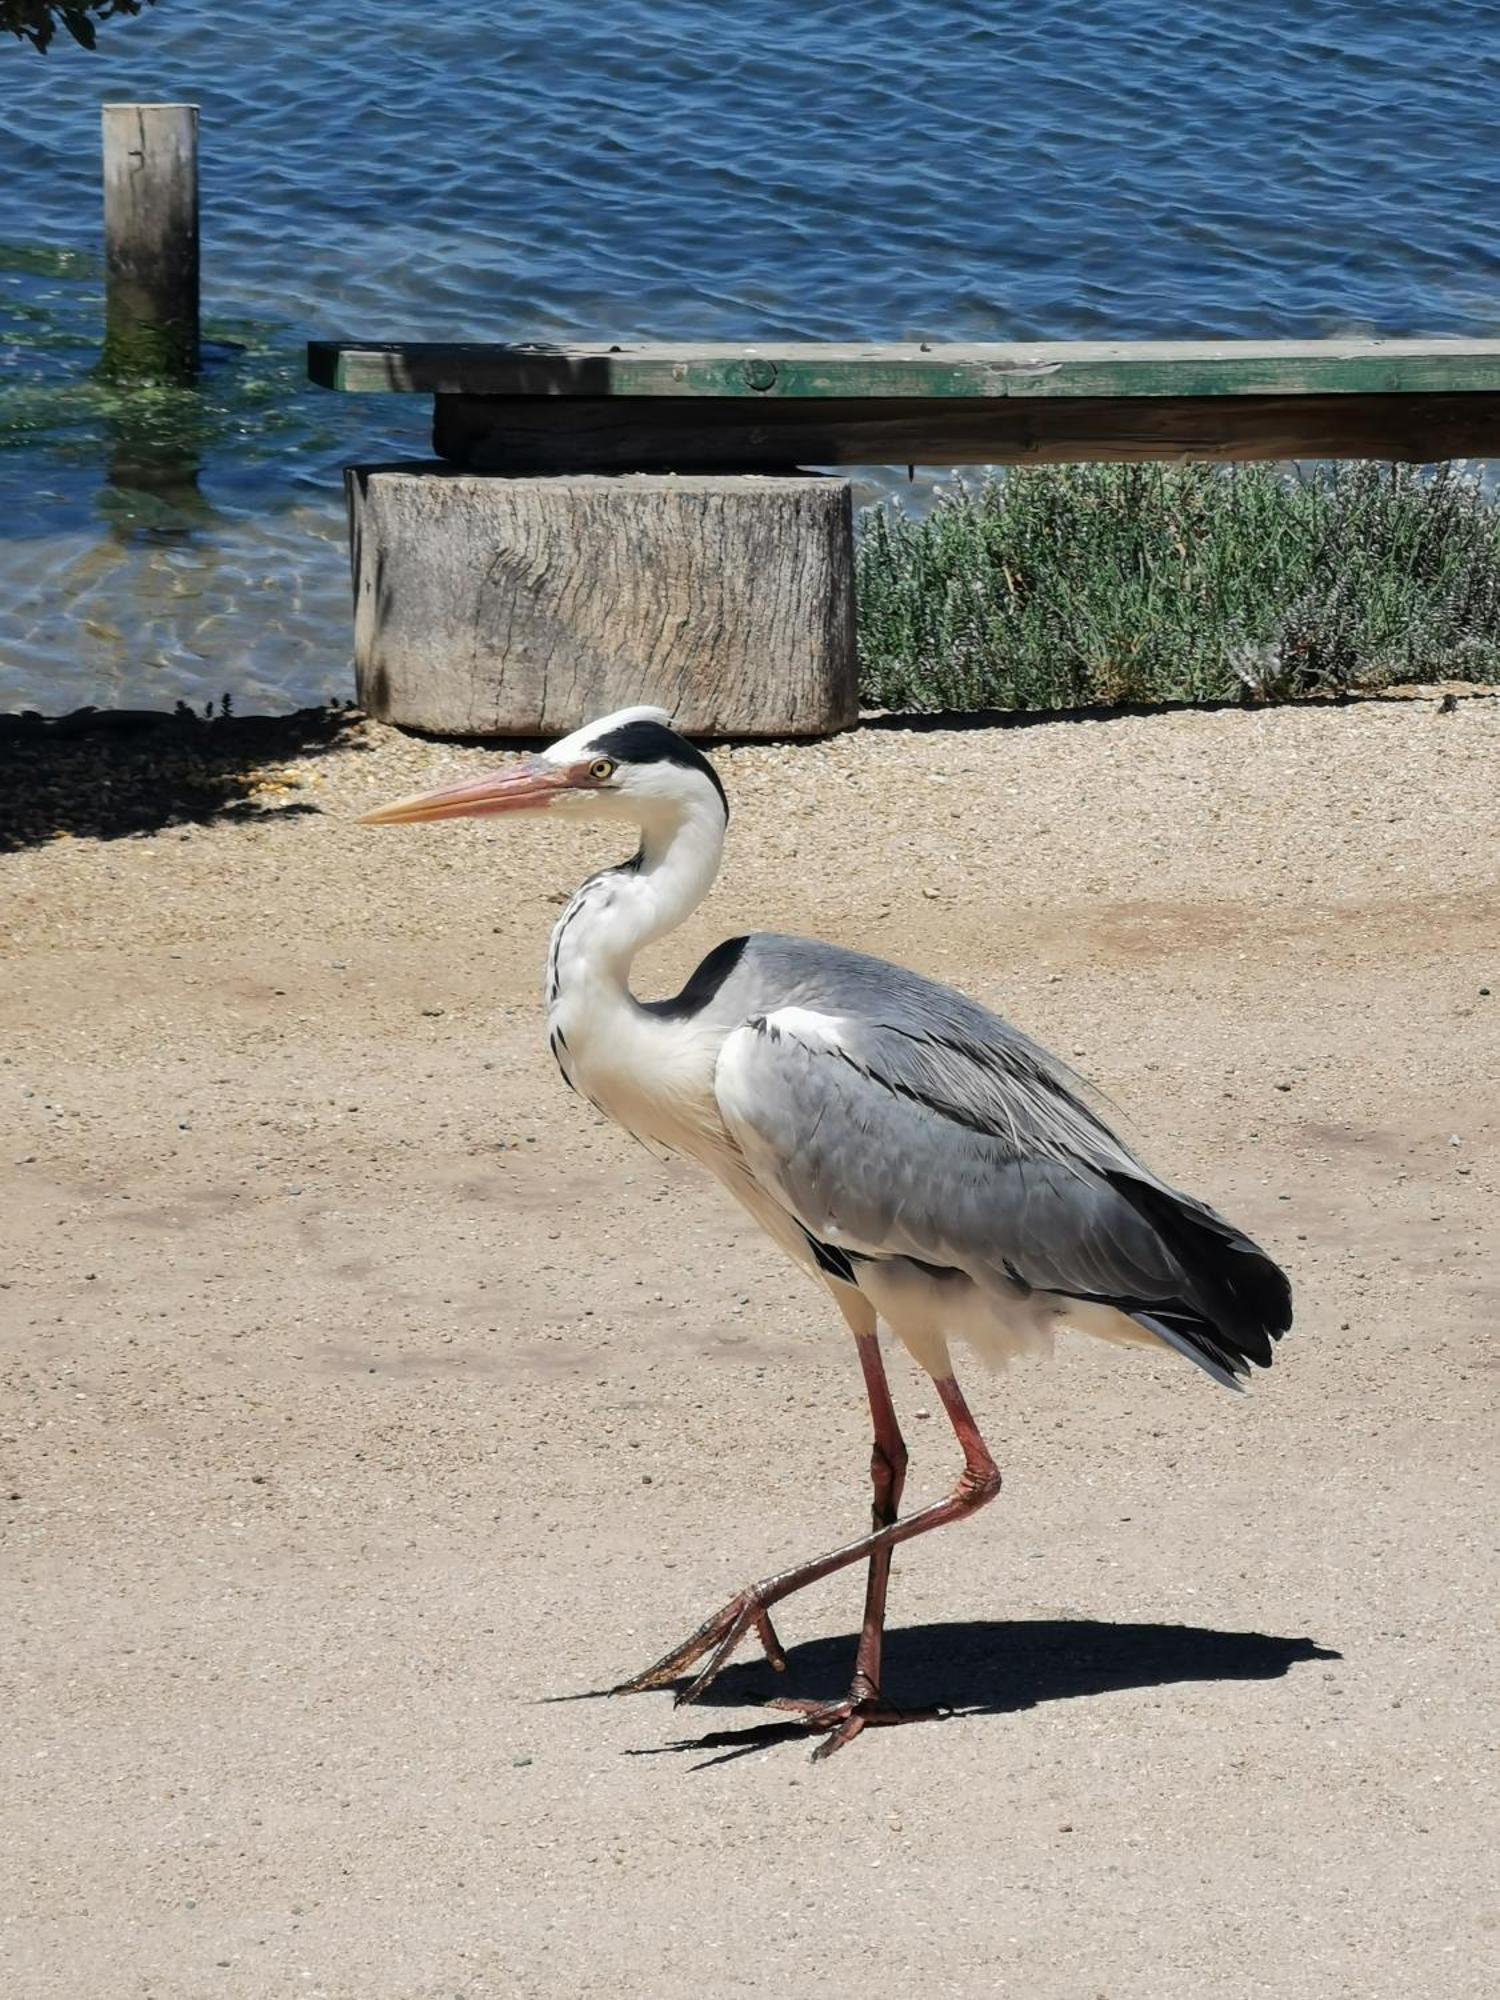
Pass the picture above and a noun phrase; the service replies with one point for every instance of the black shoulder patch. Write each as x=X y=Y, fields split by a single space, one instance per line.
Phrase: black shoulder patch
x=702 y=984
x=837 y=1263
x=654 y=743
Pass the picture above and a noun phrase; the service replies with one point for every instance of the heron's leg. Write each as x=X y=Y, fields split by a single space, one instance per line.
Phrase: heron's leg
x=888 y=1459
x=887 y=1477
x=718 y=1636
x=864 y=1703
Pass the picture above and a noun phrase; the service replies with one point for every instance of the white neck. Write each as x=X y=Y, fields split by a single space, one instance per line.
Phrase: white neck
x=614 y=914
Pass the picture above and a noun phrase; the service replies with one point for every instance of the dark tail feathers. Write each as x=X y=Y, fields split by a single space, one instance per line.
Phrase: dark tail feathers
x=1235 y=1302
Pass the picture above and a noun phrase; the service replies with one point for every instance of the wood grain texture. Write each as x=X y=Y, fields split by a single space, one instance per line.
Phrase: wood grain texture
x=1032 y=370
x=151 y=240
x=522 y=434
x=520 y=607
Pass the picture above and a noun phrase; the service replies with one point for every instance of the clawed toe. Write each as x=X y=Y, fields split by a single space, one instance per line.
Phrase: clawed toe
x=717 y=1637
x=840 y=1722
x=837 y=1722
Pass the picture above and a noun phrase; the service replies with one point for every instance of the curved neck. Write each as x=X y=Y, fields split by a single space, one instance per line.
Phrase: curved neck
x=614 y=914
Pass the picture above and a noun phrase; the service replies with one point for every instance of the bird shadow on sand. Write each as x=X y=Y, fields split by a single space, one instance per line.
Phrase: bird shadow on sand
x=991 y=1667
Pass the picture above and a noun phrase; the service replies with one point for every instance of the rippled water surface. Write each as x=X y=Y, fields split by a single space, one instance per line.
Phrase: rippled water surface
x=677 y=168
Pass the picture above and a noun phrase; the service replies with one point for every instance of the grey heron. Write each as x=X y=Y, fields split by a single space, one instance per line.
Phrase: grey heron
x=928 y=1164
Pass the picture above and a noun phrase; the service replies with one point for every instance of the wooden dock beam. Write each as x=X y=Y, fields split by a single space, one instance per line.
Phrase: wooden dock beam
x=151 y=242
x=534 y=434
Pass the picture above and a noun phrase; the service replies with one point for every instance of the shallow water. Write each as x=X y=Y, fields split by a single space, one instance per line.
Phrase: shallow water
x=908 y=168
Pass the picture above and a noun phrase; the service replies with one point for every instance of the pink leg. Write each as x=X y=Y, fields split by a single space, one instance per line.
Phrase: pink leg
x=887 y=1477
x=718 y=1636
x=864 y=1703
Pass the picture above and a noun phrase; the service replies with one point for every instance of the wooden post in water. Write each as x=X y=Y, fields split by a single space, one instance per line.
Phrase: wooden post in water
x=151 y=241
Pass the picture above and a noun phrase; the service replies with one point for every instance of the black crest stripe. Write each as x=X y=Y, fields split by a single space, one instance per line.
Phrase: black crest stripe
x=654 y=743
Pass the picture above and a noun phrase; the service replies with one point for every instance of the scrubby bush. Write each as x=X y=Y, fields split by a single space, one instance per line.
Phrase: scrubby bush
x=37 y=21
x=1059 y=587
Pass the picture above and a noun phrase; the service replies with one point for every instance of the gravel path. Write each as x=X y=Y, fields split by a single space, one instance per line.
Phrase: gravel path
x=363 y=1392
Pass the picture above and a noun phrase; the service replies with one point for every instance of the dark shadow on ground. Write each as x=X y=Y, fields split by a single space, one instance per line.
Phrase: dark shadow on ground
x=993 y=1667
x=100 y=774
x=1446 y=696
x=921 y=722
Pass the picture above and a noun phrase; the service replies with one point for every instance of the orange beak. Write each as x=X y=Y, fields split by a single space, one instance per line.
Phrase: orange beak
x=518 y=788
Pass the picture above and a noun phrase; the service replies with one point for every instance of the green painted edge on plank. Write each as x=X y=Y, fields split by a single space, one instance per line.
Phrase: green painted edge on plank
x=1038 y=370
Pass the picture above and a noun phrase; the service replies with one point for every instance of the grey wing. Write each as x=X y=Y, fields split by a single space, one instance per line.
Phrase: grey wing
x=944 y=1136
x=879 y=1142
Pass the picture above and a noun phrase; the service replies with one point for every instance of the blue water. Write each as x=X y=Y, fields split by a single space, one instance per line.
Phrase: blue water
x=896 y=169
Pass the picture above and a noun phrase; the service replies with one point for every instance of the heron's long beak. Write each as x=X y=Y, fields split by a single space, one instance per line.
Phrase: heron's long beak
x=514 y=789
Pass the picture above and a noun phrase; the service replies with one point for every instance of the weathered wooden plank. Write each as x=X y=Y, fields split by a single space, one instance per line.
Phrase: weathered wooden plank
x=520 y=607
x=522 y=434
x=150 y=241
x=1030 y=371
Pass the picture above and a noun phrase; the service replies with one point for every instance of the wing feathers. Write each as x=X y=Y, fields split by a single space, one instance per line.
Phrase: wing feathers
x=928 y=1140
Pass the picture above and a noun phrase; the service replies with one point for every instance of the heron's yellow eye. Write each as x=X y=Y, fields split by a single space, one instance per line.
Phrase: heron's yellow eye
x=602 y=768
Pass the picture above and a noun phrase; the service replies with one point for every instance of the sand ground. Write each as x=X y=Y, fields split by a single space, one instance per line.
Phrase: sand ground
x=365 y=1396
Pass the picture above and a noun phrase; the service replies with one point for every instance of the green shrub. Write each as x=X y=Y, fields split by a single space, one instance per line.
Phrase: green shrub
x=37 y=21
x=1059 y=587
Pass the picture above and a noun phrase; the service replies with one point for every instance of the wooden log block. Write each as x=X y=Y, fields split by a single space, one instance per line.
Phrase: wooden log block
x=151 y=241
x=539 y=434
x=491 y=606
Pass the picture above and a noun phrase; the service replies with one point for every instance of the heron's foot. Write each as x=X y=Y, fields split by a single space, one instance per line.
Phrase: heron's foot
x=717 y=1638
x=841 y=1721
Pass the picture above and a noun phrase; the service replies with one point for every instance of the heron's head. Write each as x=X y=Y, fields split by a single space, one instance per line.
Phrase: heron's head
x=630 y=766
